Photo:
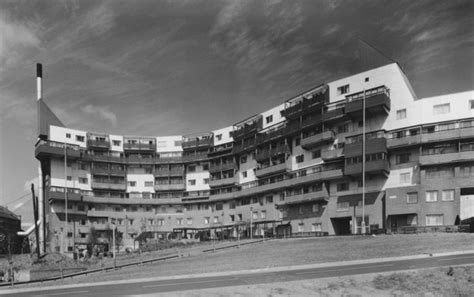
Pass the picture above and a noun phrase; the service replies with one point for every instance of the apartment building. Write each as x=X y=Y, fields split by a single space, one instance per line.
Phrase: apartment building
x=295 y=168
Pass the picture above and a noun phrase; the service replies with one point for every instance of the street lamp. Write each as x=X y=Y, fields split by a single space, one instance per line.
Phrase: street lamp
x=251 y=222
x=363 y=164
x=65 y=196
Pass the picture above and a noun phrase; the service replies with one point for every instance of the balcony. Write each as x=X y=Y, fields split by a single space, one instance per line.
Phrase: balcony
x=195 y=157
x=168 y=160
x=141 y=159
x=47 y=149
x=372 y=146
x=333 y=114
x=321 y=195
x=404 y=141
x=377 y=101
x=100 y=170
x=149 y=147
x=311 y=121
x=248 y=128
x=117 y=171
x=457 y=157
x=100 y=144
x=109 y=186
x=293 y=111
x=446 y=135
x=317 y=139
x=197 y=143
x=223 y=167
x=271 y=135
x=377 y=167
x=328 y=155
x=170 y=187
x=56 y=195
x=103 y=158
x=283 y=167
x=222 y=182
x=222 y=196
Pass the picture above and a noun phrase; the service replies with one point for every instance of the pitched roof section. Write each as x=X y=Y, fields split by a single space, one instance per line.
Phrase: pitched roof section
x=46 y=118
x=370 y=58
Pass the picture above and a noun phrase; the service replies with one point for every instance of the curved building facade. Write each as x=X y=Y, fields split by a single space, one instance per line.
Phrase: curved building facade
x=296 y=168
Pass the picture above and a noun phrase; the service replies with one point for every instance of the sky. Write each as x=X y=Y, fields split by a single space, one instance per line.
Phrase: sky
x=177 y=67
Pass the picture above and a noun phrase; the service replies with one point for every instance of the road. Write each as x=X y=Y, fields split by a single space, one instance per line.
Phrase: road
x=160 y=286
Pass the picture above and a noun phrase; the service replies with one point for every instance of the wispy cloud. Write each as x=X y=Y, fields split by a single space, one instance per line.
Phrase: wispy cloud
x=103 y=112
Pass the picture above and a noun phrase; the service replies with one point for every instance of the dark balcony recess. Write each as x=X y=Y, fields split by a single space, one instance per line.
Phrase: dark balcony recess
x=372 y=168
x=372 y=146
x=47 y=149
x=317 y=140
x=377 y=101
x=334 y=114
x=273 y=169
x=98 y=144
x=139 y=147
x=279 y=150
x=197 y=143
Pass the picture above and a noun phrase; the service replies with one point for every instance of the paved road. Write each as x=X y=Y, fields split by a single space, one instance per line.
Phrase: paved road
x=150 y=287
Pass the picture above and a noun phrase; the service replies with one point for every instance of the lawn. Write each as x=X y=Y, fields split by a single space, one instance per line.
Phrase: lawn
x=284 y=252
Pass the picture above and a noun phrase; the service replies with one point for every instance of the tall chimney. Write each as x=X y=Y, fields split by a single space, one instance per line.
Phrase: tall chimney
x=39 y=83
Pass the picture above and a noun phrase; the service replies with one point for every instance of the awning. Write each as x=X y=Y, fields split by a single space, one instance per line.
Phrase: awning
x=354 y=199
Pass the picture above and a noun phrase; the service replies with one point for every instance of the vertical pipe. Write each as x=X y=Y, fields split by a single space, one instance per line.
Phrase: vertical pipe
x=65 y=197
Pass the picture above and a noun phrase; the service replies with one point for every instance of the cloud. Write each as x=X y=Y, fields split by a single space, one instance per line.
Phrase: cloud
x=102 y=112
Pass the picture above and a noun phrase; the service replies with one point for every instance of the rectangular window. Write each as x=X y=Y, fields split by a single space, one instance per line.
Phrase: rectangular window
x=447 y=195
x=412 y=197
x=132 y=183
x=219 y=206
x=269 y=119
x=343 y=90
x=471 y=104
x=83 y=180
x=434 y=220
x=205 y=167
x=297 y=141
x=263 y=214
x=68 y=135
x=219 y=137
x=192 y=182
x=300 y=159
x=316 y=227
x=191 y=168
x=269 y=199
x=401 y=114
x=342 y=187
x=405 y=178
x=343 y=128
x=243 y=159
x=244 y=174
x=342 y=206
x=189 y=221
x=232 y=218
x=206 y=181
x=412 y=220
x=402 y=158
x=148 y=184
x=431 y=196
x=301 y=227
x=79 y=138
x=441 y=109
x=206 y=220
x=179 y=221
x=316 y=154
x=116 y=142
x=254 y=215
x=69 y=177
x=315 y=207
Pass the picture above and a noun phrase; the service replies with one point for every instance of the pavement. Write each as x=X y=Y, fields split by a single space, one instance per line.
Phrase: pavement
x=248 y=277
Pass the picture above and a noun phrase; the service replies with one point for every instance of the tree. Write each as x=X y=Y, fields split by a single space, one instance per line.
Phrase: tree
x=118 y=238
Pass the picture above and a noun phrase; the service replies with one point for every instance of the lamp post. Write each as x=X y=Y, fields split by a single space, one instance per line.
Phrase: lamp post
x=65 y=196
x=114 y=247
x=251 y=222
x=363 y=165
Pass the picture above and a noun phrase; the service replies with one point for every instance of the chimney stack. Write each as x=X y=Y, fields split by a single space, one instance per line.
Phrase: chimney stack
x=39 y=83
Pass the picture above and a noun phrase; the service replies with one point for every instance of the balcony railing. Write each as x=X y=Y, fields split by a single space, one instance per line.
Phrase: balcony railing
x=108 y=185
x=168 y=160
x=446 y=135
x=197 y=143
x=278 y=168
x=45 y=148
x=195 y=157
x=404 y=141
x=310 y=121
x=377 y=167
x=141 y=159
x=279 y=150
x=377 y=100
x=333 y=154
x=170 y=187
x=321 y=195
x=103 y=144
x=222 y=182
x=222 y=167
x=447 y=158
x=333 y=114
x=317 y=139
x=139 y=146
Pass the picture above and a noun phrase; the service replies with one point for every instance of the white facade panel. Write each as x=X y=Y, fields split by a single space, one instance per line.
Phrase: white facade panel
x=65 y=135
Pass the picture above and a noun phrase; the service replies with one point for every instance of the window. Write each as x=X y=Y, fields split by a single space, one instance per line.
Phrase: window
x=301 y=227
x=239 y=217
x=206 y=220
x=189 y=221
x=83 y=180
x=401 y=114
x=315 y=207
x=343 y=128
x=412 y=197
x=300 y=159
x=219 y=206
x=243 y=159
x=148 y=184
x=69 y=177
x=342 y=206
x=343 y=90
x=263 y=214
x=205 y=167
x=405 y=178
x=431 y=196
x=412 y=220
x=191 y=168
x=301 y=209
x=219 y=137
x=232 y=218
x=342 y=187
x=297 y=141
x=269 y=119
x=132 y=183
x=316 y=227
x=79 y=138
x=179 y=221
x=244 y=174
x=269 y=199
x=467 y=170
x=206 y=181
x=441 y=109
x=116 y=142
x=178 y=142
x=471 y=104
x=402 y=158
x=192 y=182
x=316 y=154
x=254 y=215
x=434 y=220
x=366 y=79
x=68 y=135
x=447 y=195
